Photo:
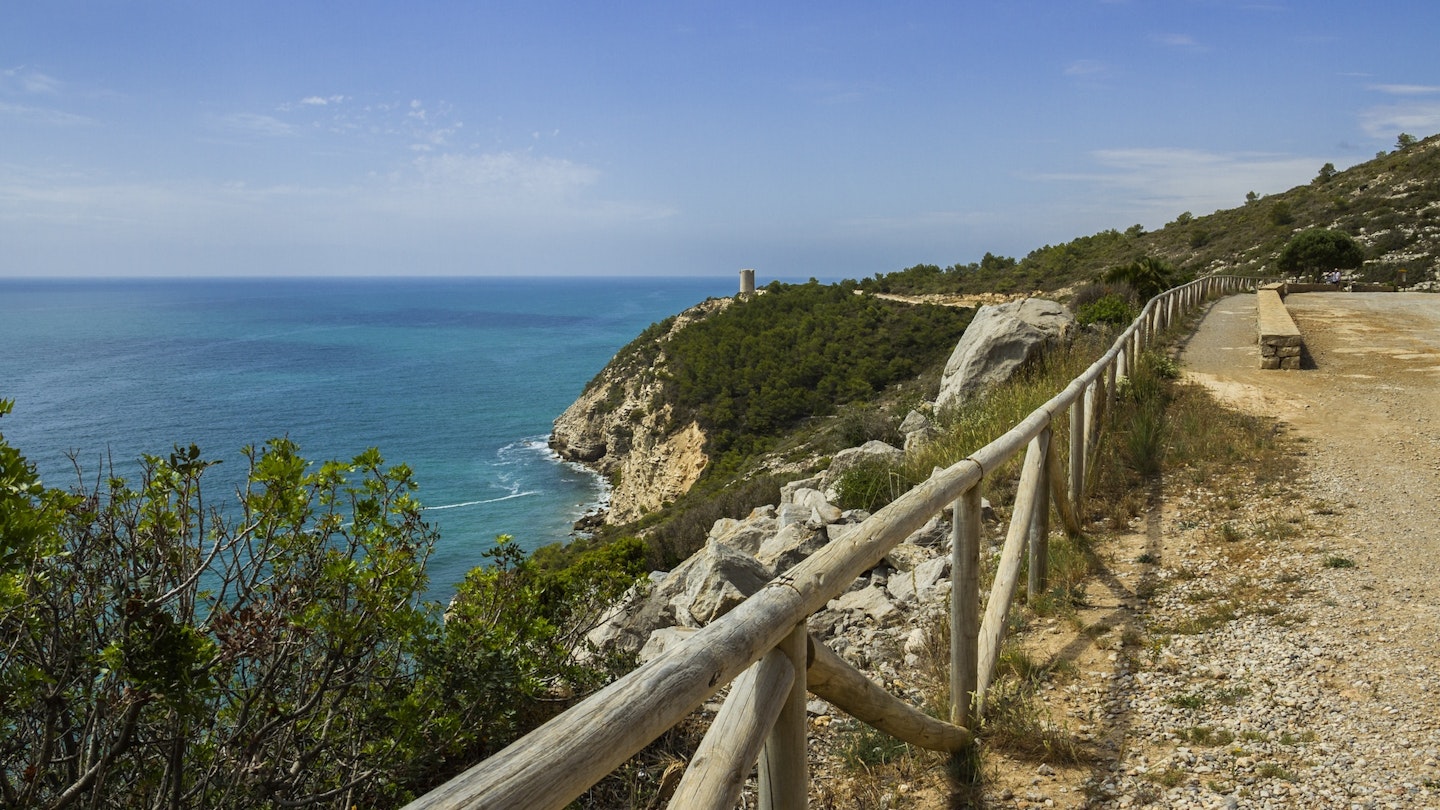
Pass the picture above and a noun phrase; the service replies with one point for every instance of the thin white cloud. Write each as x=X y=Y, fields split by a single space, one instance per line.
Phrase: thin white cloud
x=920 y=222
x=504 y=201
x=1086 y=67
x=1183 y=42
x=508 y=176
x=24 y=85
x=99 y=205
x=1417 y=118
x=1155 y=184
x=257 y=124
x=1406 y=89
x=42 y=115
x=29 y=82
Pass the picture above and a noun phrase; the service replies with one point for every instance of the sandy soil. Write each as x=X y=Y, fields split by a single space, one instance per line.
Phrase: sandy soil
x=1369 y=404
x=1332 y=670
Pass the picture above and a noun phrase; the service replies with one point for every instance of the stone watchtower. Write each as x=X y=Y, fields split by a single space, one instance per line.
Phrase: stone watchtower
x=747 y=282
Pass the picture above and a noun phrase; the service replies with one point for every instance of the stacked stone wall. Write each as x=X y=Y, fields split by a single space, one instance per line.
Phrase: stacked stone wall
x=1280 y=342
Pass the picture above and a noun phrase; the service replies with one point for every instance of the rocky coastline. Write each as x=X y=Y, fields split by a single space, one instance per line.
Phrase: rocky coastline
x=617 y=429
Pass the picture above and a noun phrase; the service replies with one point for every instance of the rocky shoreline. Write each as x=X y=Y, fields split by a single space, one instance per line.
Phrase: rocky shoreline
x=615 y=430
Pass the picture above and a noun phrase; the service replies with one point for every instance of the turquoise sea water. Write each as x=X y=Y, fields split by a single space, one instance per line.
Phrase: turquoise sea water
x=458 y=378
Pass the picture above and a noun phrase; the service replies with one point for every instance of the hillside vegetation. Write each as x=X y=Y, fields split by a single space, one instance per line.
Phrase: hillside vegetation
x=804 y=364
x=1387 y=204
x=752 y=372
x=756 y=375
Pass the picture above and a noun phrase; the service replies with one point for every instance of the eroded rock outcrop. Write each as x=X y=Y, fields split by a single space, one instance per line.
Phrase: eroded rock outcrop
x=620 y=427
x=617 y=428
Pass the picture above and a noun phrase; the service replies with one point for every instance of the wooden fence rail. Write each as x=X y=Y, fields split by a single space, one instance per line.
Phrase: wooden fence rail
x=765 y=637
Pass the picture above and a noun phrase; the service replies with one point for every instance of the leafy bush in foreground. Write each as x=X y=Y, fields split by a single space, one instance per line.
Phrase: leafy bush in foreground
x=159 y=651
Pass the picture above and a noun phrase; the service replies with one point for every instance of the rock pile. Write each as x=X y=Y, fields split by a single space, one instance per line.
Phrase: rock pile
x=864 y=624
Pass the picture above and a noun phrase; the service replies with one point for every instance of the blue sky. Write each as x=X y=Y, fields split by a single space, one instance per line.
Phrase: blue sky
x=834 y=139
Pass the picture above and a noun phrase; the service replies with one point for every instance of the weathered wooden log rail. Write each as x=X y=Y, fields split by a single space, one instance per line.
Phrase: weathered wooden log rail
x=762 y=650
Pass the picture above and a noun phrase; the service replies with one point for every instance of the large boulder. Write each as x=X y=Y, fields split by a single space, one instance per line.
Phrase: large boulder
x=699 y=591
x=790 y=546
x=998 y=343
x=918 y=430
x=874 y=450
x=920 y=583
x=871 y=603
x=663 y=640
x=816 y=507
x=746 y=535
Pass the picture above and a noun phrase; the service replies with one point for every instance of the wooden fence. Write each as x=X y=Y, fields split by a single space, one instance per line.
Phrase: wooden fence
x=763 y=651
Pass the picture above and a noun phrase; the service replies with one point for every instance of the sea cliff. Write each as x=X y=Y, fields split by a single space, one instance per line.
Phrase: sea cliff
x=620 y=427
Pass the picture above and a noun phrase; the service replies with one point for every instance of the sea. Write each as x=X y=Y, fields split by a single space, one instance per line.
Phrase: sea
x=460 y=379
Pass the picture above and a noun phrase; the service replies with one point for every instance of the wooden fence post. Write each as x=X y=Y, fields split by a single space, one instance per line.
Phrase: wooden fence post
x=1093 y=403
x=1040 y=528
x=964 y=607
x=1077 y=453
x=1007 y=572
x=784 y=764
x=1058 y=495
x=726 y=755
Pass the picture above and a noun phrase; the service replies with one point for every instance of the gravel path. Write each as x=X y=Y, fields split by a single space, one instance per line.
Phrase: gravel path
x=1294 y=662
x=1358 y=684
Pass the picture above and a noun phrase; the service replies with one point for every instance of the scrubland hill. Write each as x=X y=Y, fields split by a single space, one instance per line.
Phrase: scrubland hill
x=719 y=396
x=1388 y=204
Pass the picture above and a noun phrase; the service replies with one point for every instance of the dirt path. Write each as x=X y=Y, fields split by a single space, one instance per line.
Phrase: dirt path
x=1369 y=406
x=1274 y=649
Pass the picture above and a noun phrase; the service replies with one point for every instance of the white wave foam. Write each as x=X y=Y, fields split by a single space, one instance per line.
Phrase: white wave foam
x=513 y=452
x=512 y=496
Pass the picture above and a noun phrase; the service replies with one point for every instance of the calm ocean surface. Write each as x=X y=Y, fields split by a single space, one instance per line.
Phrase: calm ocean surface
x=458 y=378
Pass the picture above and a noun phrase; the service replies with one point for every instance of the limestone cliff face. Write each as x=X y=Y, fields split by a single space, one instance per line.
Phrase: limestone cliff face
x=619 y=428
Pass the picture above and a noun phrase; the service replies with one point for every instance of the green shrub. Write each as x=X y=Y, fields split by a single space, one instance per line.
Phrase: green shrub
x=870 y=485
x=147 y=629
x=753 y=371
x=1112 y=309
x=509 y=646
x=275 y=652
x=863 y=422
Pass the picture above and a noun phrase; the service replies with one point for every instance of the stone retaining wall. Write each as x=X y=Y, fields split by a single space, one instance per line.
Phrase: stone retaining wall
x=1280 y=342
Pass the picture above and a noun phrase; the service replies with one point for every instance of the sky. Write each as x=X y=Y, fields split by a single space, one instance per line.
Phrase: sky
x=803 y=139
